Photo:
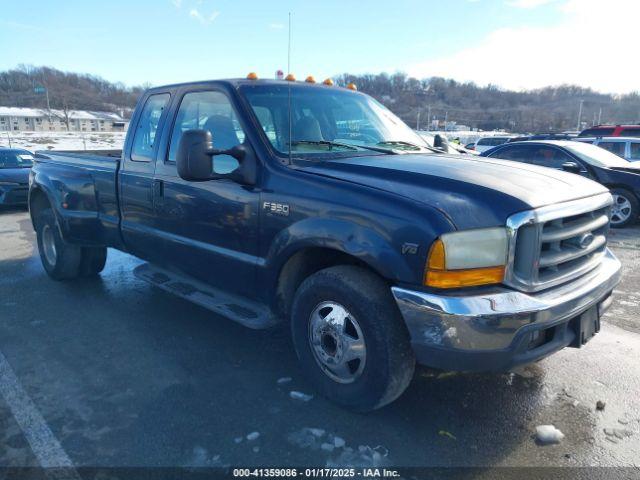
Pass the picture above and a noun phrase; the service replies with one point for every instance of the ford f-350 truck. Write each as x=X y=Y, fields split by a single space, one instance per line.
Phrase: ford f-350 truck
x=281 y=201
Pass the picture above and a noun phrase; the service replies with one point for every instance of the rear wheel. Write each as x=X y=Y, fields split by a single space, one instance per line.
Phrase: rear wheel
x=625 y=208
x=93 y=260
x=351 y=339
x=60 y=259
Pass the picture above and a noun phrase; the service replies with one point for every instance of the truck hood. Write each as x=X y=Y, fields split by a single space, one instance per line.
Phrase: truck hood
x=15 y=175
x=471 y=191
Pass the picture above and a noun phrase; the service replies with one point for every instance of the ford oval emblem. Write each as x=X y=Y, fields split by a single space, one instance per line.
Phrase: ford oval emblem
x=585 y=240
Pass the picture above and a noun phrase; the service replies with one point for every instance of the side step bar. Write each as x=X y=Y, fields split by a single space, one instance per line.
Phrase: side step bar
x=248 y=313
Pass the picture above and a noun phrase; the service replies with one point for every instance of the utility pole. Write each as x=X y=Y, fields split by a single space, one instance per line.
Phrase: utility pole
x=600 y=116
x=446 y=115
x=418 y=121
x=429 y=118
x=580 y=115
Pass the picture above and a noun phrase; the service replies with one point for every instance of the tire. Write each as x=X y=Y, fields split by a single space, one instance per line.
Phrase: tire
x=93 y=261
x=60 y=259
x=625 y=208
x=385 y=370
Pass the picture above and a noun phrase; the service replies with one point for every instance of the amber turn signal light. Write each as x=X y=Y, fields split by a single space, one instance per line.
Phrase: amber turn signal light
x=436 y=274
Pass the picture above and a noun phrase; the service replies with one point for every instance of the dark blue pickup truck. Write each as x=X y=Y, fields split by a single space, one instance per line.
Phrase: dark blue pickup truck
x=282 y=201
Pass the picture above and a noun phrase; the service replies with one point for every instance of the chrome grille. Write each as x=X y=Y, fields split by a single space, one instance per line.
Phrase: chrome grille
x=556 y=244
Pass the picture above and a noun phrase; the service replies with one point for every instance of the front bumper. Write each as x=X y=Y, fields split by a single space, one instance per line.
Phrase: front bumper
x=495 y=331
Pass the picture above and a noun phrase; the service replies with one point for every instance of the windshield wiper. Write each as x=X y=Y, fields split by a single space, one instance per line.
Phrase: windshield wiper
x=324 y=142
x=344 y=145
x=401 y=143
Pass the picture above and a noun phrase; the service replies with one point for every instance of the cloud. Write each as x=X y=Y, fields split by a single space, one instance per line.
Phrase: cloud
x=177 y=3
x=203 y=19
x=528 y=3
x=276 y=26
x=582 y=47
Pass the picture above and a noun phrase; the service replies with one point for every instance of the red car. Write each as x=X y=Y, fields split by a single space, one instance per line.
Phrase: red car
x=612 y=131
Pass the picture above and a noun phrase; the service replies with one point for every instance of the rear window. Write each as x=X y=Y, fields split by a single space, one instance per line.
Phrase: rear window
x=492 y=141
x=614 y=147
x=597 y=132
x=630 y=132
x=15 y=159
x=634 y=151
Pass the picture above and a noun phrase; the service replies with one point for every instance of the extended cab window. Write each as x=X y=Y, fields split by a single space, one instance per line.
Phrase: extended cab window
x=210 y=111
x=634 y=153
x=147 y=127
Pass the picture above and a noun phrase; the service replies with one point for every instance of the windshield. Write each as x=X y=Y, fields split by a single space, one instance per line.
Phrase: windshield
x=596 y=155
x=328 y=120
x=15 y=159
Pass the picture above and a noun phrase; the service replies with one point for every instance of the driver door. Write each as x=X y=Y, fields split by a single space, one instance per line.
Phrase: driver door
x=210 y=228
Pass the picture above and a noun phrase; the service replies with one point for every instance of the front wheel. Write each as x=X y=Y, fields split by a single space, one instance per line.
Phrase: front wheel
x=625 y=209
x=351 y=339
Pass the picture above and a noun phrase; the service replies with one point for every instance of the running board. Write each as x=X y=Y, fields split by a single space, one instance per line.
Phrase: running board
x=248 y=313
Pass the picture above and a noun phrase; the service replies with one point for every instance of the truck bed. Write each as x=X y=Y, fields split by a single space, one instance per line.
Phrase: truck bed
x=89 y=202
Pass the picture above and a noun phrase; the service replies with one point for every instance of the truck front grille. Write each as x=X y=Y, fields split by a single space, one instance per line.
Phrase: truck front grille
x=556 y=244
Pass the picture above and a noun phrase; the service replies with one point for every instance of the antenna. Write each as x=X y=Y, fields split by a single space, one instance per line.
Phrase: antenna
x=289 y=89
x=289 y=48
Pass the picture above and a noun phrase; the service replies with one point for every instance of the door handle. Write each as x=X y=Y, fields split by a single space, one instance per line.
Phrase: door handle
x=158 y=193
x=158 y=189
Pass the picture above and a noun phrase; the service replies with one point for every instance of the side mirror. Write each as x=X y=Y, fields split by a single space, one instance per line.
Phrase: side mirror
x=195 y=163
x=571 y=167
x=193 y=159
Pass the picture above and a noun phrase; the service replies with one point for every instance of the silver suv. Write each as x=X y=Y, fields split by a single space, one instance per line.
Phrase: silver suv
x=625 y=147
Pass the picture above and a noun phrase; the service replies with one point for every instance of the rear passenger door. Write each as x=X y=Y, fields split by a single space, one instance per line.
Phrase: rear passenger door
x=136 y=182
x=209 y=228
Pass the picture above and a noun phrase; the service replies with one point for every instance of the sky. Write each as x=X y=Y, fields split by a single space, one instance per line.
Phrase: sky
x=514 y=44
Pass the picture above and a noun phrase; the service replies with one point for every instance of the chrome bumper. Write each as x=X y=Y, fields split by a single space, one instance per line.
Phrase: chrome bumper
x=493 y=321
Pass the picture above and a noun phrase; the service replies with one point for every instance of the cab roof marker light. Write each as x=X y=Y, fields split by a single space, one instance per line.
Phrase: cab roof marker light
x=310 y=79
x=352 y=86
x=290 y=77
x=252 y=76
x=328 y=81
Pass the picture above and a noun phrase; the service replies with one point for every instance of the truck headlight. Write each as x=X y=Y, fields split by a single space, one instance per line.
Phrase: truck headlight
x=467 y=258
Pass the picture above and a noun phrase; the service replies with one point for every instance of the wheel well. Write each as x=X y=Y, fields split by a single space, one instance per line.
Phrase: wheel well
x=38 y=201
x=303 y=264
x=612 y=186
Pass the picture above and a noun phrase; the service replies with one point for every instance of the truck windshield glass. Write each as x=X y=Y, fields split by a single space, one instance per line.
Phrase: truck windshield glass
x=328 y=120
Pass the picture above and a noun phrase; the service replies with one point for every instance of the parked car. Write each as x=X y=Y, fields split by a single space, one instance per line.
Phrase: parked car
x=611 y=131
x=624 y=147
x=14 y=176
x=485 y=143
x=248 y=198
x=544 y=136
x=620 y=176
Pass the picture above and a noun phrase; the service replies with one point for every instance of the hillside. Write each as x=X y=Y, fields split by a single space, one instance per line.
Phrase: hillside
x=488 y=108
x=24 y=87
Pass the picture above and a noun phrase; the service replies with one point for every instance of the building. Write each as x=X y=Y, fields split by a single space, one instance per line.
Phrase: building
x=42 y=120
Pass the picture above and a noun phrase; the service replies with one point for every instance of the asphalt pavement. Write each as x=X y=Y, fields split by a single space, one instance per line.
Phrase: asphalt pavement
x=113 y=372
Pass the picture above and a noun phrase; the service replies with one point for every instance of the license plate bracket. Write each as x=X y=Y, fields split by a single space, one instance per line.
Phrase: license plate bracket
x=586 y=326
